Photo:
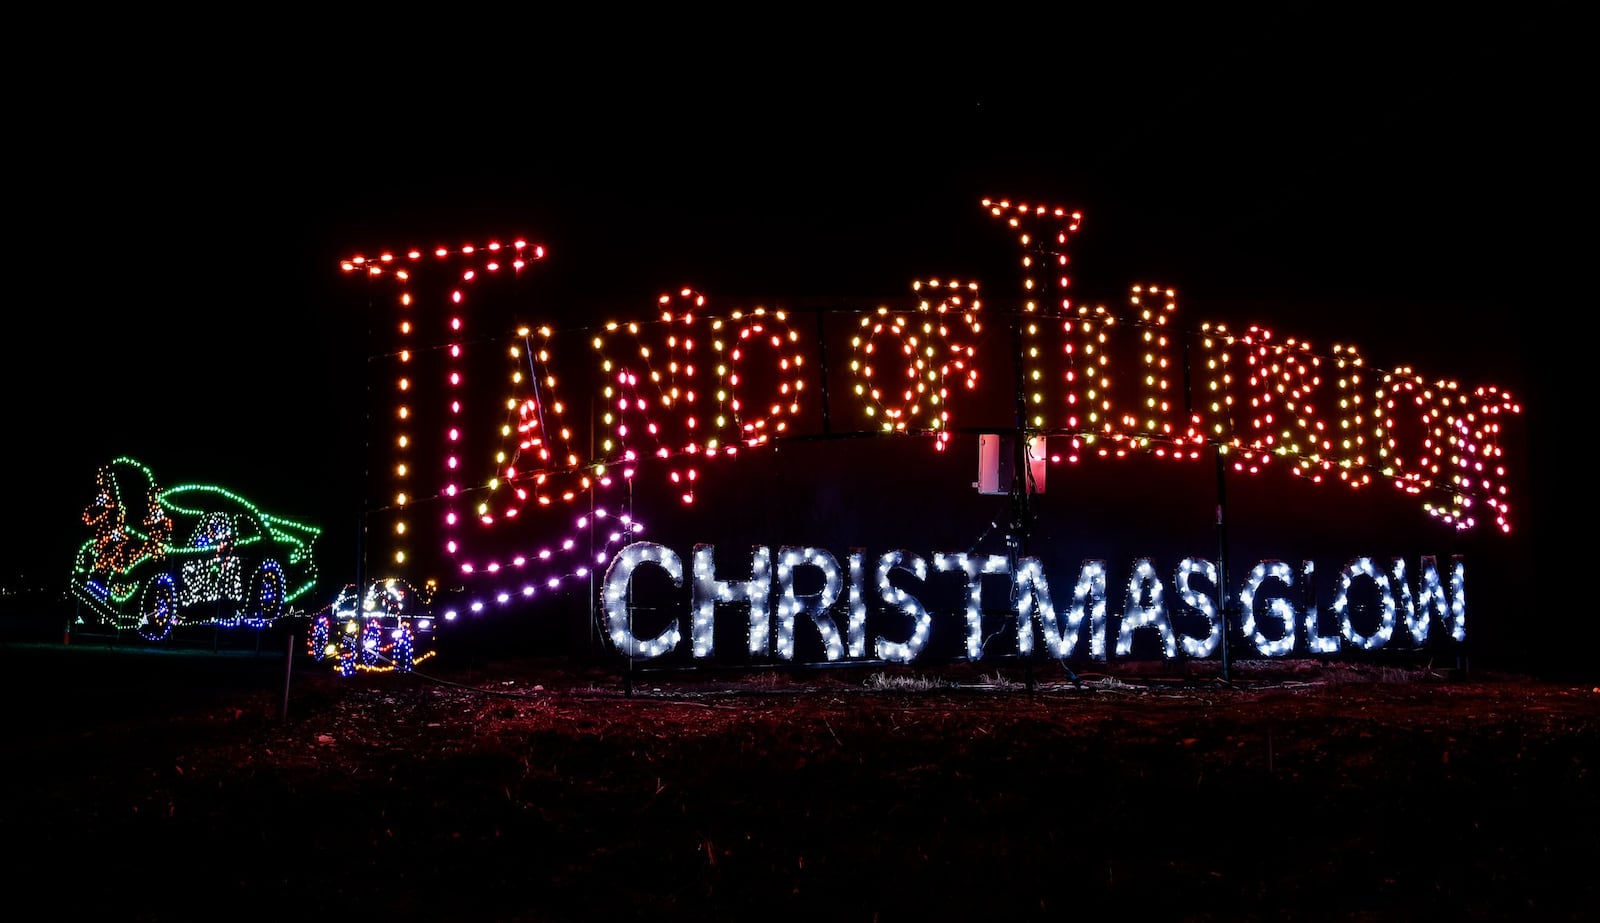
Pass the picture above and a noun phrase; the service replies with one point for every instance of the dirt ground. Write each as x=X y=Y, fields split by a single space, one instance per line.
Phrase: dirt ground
x=167 y=784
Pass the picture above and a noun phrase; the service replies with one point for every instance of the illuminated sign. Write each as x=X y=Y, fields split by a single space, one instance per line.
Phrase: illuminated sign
x=1278 y=614
x=515 y=454
x=192 y=554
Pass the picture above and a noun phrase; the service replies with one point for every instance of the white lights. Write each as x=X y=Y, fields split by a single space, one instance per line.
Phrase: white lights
x=816 y=605
x=1316 y=642
x=1137 y=613
x=497 y=476
x=619 y=615
x=897 y=598
x=1277 y=615
x=974 y=569
x=1363 y=567
x=1033 y=596
x=1200 y=603
x=709 y=591
x=1430 y=602
x=1275 y=636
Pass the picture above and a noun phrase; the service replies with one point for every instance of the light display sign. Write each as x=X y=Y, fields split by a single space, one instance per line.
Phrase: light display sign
x=1279 y=614
x=384 y=629
x=192 y=554
x=520 y=458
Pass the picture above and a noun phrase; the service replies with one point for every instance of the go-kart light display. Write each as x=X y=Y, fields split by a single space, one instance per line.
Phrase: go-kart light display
x=386 y=628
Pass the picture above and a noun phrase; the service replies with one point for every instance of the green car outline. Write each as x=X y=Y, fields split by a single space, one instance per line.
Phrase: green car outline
x=234 y=566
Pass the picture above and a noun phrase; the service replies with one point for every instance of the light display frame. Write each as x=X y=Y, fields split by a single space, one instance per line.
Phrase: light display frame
x=678 y=396
x=161 y=559
x=386 y=628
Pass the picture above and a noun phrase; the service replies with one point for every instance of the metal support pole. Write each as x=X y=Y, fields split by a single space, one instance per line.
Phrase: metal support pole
x=1222 y=504
x=1222 y=558
x=822 y=371
x=1020 y=488
x=288 y=671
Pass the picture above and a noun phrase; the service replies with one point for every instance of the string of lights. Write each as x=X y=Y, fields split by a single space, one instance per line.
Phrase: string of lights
x=191 y=554
x=683 y=392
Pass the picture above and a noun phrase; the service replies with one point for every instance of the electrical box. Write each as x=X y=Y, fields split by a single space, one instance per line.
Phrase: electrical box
x=997 y=462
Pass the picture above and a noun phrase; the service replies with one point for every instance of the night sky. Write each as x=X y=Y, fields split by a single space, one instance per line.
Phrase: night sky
x=1411 y=185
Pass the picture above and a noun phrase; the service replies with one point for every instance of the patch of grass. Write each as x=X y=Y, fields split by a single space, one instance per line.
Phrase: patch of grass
x=999 y=680
x=899 y=683
x=1369 y=673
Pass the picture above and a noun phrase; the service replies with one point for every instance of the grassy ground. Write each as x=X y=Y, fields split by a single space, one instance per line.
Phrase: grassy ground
x=156 y=785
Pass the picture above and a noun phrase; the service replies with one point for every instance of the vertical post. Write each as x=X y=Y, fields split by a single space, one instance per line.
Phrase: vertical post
x=361 y=528
x=1019 y=473
x=593 y=565
x=1019 y=447
x=288 y=671
x=1222 y=503
x=369 y=370
x=822 y=371
x=628 y=676
x=593 y=571
x=1222 y=557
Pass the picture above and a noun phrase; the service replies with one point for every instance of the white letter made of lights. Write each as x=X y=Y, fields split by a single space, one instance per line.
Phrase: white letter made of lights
x=974 y=567
x=921 y=619
x=619 y=615
x=1088 y=599
x=709 y=591
x=1138 y=614
x=1201 y=603
x=1363 y=567
x=1279 y=640
x=816 y=605
x=1278 y=612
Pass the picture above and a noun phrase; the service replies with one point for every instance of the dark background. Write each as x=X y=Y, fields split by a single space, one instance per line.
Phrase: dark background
x=1408 y=182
